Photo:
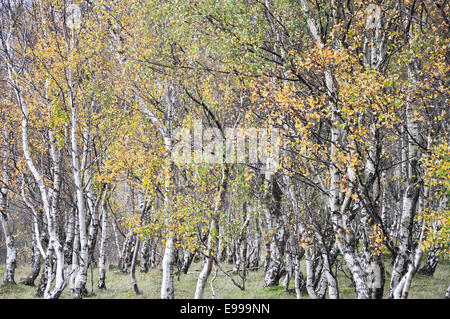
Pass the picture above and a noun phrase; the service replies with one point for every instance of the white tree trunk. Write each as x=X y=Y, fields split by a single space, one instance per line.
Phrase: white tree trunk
x=167 y=286
x=11 y=254
x=411 y=195
x=212 y=236
x=133 y=268
x=102 y=254
x=275 y=265
x=299 y=280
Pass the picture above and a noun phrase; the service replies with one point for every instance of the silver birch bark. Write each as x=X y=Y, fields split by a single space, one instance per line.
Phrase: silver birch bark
x=402 y=289
x=316 y=281
x=373 y=58
x=81 y=278
x=333 y=290
x=49 y=192
x=49 y=195
x=35 y=262
x=337 y=208
x=275 y=265
x=116 y=239
x=254 y=263
x=187 y=260
x=38 y=248
x=167 y=285
x=144 y=255
x=7 y=226
x=70 y=235
x=213 y=235
x=11 y=254
x=431 y=262
x=102 y=254
x=133 y=268
x=411 y=195
x=75 y=257
x=166 y=130
x=289 y=266
x=299 y=280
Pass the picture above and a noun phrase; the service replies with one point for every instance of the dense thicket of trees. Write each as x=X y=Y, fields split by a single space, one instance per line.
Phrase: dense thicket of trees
x=128 y=133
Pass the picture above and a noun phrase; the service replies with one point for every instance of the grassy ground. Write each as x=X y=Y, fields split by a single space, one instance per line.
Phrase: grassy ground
x=118 y=286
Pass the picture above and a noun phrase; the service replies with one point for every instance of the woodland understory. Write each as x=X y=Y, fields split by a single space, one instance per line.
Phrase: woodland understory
x=128 y=131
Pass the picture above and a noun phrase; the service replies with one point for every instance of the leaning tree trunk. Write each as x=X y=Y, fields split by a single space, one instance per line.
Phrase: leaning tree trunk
x=35 y=263
x=316 y=281
x=49 y=193
x=212 y=236
x=133 y=268
x=402 y=289
x=127 y=252
x=55 y=269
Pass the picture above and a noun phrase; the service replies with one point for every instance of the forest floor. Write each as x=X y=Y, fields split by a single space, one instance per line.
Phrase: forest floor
x=119 y=285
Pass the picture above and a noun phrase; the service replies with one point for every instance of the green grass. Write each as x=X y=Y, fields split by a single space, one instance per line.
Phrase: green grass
x=119 y=286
